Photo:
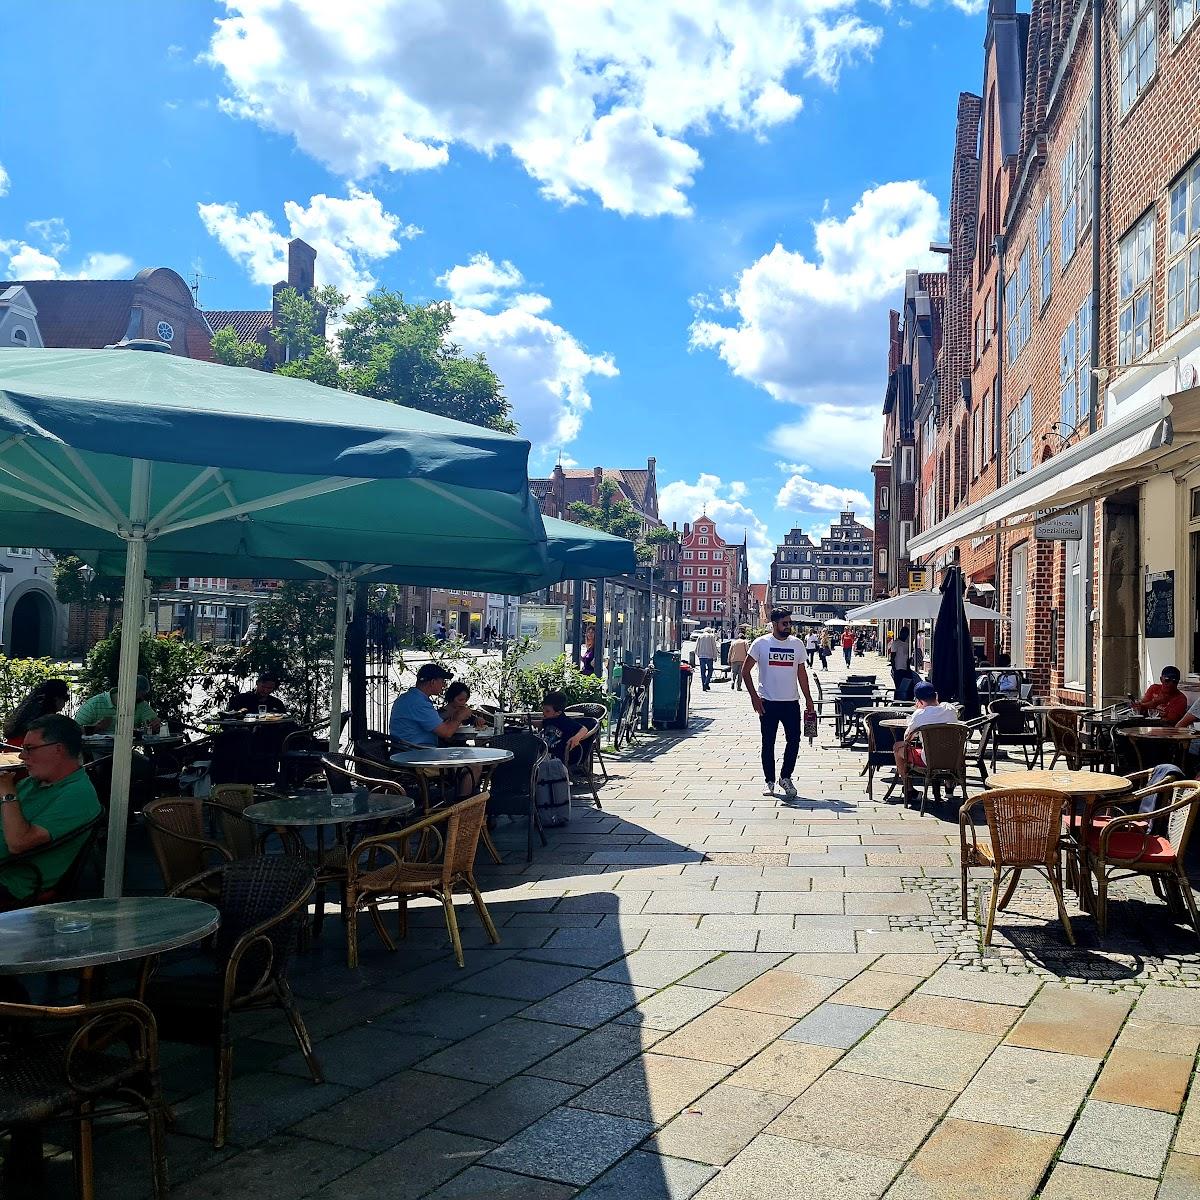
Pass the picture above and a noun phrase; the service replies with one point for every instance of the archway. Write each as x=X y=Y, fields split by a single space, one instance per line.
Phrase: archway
x=31 y=628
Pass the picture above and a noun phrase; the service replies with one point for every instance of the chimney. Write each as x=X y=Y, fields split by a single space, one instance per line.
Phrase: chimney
x=597 y=479
x=302 y=260
x=687 y=530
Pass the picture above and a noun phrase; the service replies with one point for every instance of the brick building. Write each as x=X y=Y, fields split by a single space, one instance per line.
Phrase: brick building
x=819 y=581
x=881 y=474
x=1081 y=401
x=707 y=566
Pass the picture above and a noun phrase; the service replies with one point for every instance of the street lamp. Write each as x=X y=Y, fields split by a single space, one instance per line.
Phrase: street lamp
x=87 y=573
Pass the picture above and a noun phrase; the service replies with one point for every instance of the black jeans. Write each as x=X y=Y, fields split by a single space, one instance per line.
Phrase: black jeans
x=787 y=714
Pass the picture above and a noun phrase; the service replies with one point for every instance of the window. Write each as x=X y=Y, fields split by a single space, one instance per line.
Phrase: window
x=1019 y=451
x=20 y=336
x=1183 y=13
x=883 y=562
x=906 y=464
x=687 y=570
x=1083 y=359
x=1137 y=31
x=806 y=593
x=884 y=498
x=702 y=585
x=1183 y=249
x=976 y=442
x=1075 y=617
x=716 y=585
x=1075 y=185
x=1045 y=259
x=1136 y=269
x=687 y=556
x=989 y=318
x=822 y=593
x=702 y=555
x=839 y=594
x=805 y=573
x=701 y=570
x=20 y=552
x=702 y=605
x=704 y=541
x=906 y=532
x=1017 y=305
x=1066 y=379
x=985 y=421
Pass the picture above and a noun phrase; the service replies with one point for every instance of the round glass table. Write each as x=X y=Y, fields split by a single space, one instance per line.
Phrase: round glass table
x=33 y=940
x=450 y=758
x=320 y=808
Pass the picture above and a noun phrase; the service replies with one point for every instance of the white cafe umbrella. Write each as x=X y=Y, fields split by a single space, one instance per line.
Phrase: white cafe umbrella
x=916 y=606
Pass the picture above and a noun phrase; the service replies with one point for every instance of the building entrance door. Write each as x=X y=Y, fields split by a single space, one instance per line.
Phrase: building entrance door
x=1018 y=590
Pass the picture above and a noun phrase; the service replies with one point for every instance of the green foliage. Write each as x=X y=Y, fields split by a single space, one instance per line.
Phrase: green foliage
x=561 y=675
x=228 y=350
x=72 y=587
x=616 y=515
x=173 y=666
x=19 y=676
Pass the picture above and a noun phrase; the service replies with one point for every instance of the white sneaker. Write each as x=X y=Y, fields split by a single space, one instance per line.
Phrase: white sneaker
x=789 y=788
x=769 y=788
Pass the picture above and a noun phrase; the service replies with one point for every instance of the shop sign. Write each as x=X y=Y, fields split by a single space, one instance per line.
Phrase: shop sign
x=917 y=579
x=1064 y=526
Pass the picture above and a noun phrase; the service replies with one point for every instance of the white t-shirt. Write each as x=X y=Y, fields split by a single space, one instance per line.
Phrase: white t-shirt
x=931 y=714
x=899 y=651
x=777 y=659
x=813 y=641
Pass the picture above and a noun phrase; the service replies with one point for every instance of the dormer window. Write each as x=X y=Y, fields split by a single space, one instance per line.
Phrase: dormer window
x=20 y=336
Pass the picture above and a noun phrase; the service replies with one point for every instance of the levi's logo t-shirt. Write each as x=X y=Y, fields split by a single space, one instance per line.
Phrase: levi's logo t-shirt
x=777 y=659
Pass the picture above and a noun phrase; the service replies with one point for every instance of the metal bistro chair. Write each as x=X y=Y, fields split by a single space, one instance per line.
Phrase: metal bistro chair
x=598 y=713
x=514 y=783
x=879 y=746
x=1024 y=828
x=1011 y=725
x=82 y=1062
x=1125 y=845
x=584 y=767
x=1071 y=743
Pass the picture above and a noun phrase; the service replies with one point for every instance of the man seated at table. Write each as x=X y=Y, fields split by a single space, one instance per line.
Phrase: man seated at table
x=563 y=734
x=415 y=718
x=927 y=712
x=99 y=714
x=1163 y=700
x=54 y=799
x=261 y=697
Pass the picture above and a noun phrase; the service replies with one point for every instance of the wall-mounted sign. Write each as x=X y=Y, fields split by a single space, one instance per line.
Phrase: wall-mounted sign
x=547 y=625
x=1160 y=604
x=917 y=579
x=1064 y=526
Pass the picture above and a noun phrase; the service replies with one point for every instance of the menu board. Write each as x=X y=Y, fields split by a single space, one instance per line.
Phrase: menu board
x=547 y=625
x=1160 y=604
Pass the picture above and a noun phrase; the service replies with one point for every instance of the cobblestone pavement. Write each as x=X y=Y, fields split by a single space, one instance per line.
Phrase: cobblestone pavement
x=704 y=991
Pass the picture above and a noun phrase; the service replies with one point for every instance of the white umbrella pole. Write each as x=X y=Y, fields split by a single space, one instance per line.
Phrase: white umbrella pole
x=339 y=662
x=131 y=636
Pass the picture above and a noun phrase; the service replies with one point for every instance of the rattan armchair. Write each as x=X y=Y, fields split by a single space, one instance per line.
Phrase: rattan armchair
x=598 y=713
x=263 y=904
x=79 y=1063
x=944 y=748
x=181 y=845
x=380 y=870
x=1024 y=828
x=1071 y=743
x=1122 y=845
x=66 y=886
x=585 y=765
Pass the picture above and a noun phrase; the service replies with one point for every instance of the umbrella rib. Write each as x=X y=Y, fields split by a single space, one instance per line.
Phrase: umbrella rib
x=101 y=491
x=221 y=489
x=320 y=488
x=169 y=509
x=41 y=460
x=63 y=508
x=87 y=512
x=478 y=510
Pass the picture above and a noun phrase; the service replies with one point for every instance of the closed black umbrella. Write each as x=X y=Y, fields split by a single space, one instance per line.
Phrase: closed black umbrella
x=953 y=655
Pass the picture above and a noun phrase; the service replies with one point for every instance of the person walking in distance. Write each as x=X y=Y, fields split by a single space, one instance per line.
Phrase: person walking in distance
x=738 y=649
x=706 y=652
x=811 y=645
x=823 y=649
x=782 y=675
x=847 y=643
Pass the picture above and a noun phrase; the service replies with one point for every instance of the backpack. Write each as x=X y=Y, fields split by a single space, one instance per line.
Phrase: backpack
x=553 y=793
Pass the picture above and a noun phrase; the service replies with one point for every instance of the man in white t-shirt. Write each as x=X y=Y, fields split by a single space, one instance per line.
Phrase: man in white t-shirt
x=927 y=712
x=782 y=675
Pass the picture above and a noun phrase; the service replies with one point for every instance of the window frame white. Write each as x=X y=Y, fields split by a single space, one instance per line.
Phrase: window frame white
x=1135 y=288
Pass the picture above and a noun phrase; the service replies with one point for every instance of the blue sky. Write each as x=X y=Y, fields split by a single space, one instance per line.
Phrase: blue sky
x=674 y=227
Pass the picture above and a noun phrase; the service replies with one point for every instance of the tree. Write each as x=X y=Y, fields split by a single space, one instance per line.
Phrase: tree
x=614 y=514
x=228 y=350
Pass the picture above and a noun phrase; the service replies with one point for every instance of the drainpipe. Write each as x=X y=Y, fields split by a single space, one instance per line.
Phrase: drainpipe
x=1094 y=357
x=998 y=418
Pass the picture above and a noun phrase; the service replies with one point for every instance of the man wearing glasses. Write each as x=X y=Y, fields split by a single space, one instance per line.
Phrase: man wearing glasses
x=54 y=799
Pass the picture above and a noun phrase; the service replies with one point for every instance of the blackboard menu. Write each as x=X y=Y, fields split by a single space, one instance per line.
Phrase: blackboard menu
x=1160 y=604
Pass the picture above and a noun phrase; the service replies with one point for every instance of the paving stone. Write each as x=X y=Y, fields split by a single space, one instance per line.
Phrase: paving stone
x=603 y=902
x=1144 y=1078
x=1178 y=1005
x=924 y=1054
x=356 y=1122
x=484 y=1183
x=672 y=1008
x=731 y=971
x=587 y=1004
x=963 y=1160
x=890 y=904
x=282 y=1165
x=363 y=1056
x=1181 y=1179
x=1027 y=1089
x=990 y=988
x=570 y=1145
x=875 y=989
x=522 y=980
x=597 y=1053
x=774 y=1166
x=718 y=1125
x=1116 y=1137
x=506 y=1049
x=1187 y=1137
x=655 y=968
x=785 y=1068
x=967 y=1015
x=838 y=1025
x=1165 y=1037
x=783 y=993
x=1071 y=1021
x=898 y=942
x=449 y=1015
x=807 y=903
x=1068 y=1181
x=649 y=1177
x=698 y=939
x=699 y=901
x=803 y=940
x=653 y=1087
x=724 y=1035
x=853 y=1112
x=504 y=1111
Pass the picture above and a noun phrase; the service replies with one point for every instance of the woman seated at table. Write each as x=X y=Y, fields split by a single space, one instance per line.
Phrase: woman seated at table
x=261 y=697
x=49 y=697
x=457 y=706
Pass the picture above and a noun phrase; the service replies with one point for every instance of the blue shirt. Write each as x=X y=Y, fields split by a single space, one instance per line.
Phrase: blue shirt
x=414 y=718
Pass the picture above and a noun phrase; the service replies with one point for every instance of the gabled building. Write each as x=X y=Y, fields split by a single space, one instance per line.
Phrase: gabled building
x=707 y=573
x=820 y=581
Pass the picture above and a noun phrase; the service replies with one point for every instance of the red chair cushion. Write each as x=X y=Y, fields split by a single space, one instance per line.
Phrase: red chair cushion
x=1129 y=844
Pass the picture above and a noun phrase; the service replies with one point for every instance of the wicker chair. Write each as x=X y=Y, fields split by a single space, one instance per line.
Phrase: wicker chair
x=879 y=746
x=1122 y=845
x=181 y=845
x=1024 y=827
x=598 y=713
x=263 y=903
x=80 y=1063
x=380 y=870
x=514 y=783
x=1010 y=725
x=944 y=748
x=66 y=886
x=1071 y=743
x=585 y=765
x=303 y=749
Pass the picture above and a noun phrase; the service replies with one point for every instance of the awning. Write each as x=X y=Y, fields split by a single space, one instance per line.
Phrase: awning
x=1156 y=437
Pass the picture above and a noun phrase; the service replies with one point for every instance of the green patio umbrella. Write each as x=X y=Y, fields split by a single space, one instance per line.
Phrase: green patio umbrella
x=103 y=451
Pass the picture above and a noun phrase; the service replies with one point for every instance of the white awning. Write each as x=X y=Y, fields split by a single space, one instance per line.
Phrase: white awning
x=1157 y=437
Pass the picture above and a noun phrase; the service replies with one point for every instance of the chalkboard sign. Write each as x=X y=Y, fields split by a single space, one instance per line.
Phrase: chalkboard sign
x=1160 y=604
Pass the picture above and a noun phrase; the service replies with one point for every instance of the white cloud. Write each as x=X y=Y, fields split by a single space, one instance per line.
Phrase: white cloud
x=682 y=501
x=836 y=435
x=800 y=492
x=544 y=369
x=605 y=99
x=349 y=236
x=39 y=255
x=4 y=181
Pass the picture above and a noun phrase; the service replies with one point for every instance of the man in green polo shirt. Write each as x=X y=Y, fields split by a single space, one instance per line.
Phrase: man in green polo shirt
x=56 y=798
x=99 y=714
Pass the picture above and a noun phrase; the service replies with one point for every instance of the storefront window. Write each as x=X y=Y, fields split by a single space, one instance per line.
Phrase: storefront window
x=1074 y=624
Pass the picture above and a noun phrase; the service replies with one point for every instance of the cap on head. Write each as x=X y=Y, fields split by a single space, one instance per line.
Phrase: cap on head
x=431 y=671
x=268 y=677
x=925 y=691
x=1170 y=673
